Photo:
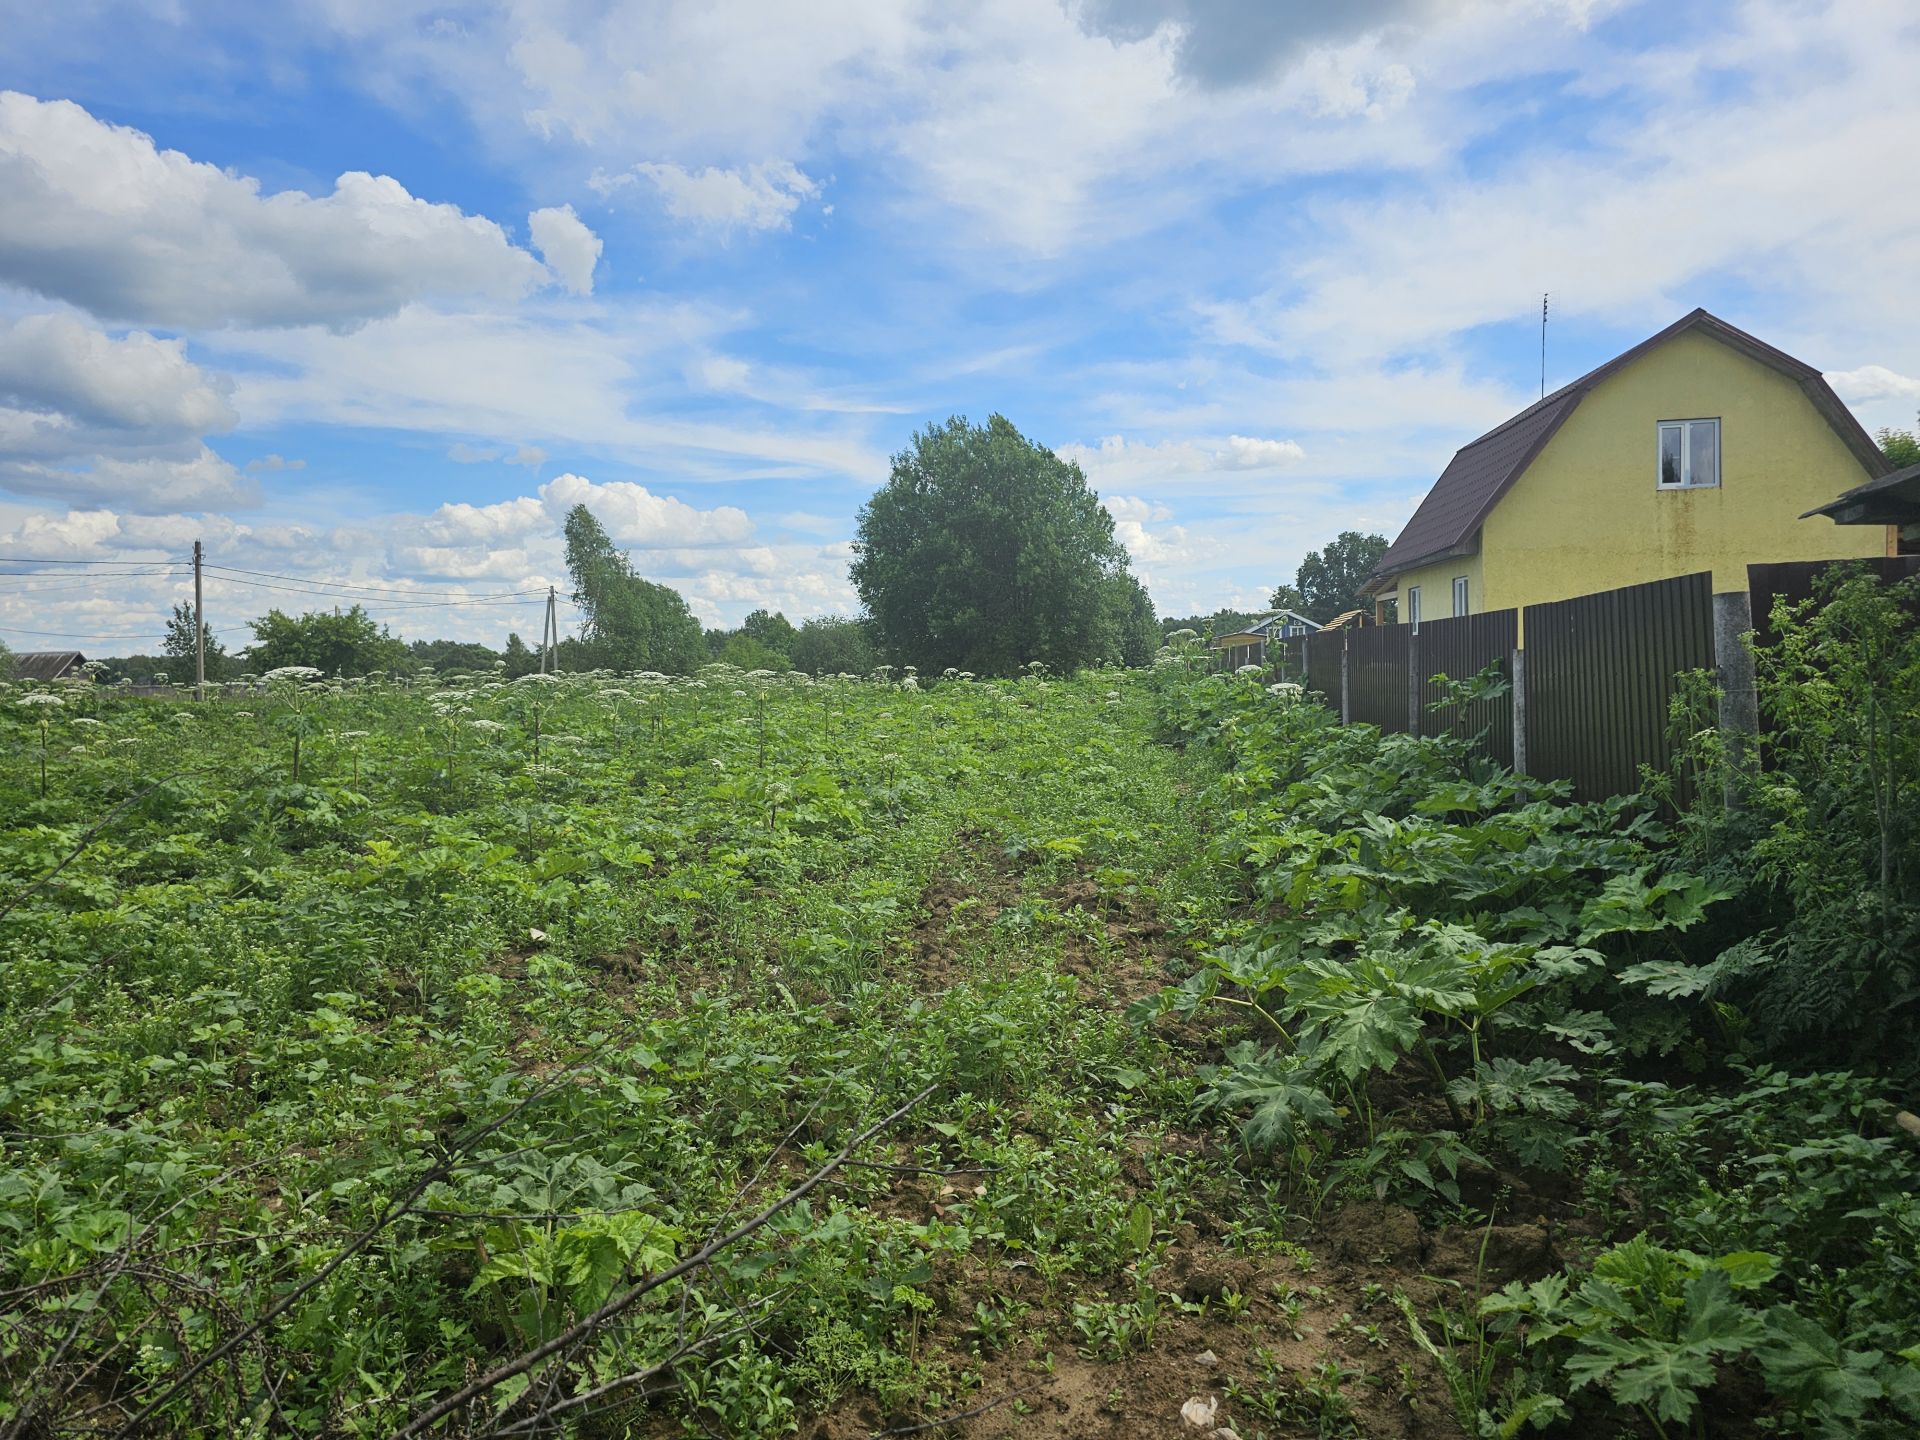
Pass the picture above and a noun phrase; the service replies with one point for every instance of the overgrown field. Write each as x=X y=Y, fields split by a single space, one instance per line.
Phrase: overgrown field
x=444 y=1059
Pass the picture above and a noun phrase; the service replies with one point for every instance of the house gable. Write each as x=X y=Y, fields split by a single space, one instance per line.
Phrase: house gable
x=1448 y=521
x=1587 y=515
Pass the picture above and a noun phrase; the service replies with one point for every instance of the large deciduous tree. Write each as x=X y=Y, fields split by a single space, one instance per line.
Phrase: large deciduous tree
x=632 y=623
x=347 y=643
x=1328 y=581
x=985 y=551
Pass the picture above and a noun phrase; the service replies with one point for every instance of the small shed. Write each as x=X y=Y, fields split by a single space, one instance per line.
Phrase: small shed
x=1891 y=500
x=47 y=664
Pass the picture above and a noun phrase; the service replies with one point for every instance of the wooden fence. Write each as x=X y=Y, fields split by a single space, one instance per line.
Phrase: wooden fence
x=1593 y=686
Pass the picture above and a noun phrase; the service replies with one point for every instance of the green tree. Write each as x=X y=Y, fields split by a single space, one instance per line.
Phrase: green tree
x=521 y=660
x=1288 y=597
x=632 y=623
x=6 y=661
x=834 y=645
x=985 y=551
x=347 y=643
x=178 y=647
x=1328 y=581
x=774 y=631
x=1901 y=447
x=743 y=650
x=447 y=656
x=1132 y=630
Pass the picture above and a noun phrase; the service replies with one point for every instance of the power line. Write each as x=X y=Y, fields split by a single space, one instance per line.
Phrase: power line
x=376 y=589
x=74 y=635
x=88 y=584
x=507 y=599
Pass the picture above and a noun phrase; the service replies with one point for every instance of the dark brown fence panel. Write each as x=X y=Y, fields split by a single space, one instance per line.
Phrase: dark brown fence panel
x=1460 y=648
x=1600 y=673
x=1323 y=664
x=1796 y=580
x=1377 y=676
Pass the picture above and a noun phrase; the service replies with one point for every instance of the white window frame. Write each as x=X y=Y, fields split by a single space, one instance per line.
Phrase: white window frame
x=1413 y=608
x=1459 y=595
x=1685 y=427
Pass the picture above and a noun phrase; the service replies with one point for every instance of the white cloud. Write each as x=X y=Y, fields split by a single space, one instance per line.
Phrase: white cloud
x=268 y=463
x=758 y=197
x=634 y=515
x=1117 y=460
x=88 y=418
x=154 y=484
x=570 y=249
x=136 y=383
x=521 y=380
x=1873 y=382
x=97 y=215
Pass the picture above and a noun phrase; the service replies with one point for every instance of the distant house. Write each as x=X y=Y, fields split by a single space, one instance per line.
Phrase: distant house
x=1698 y=449
x=1892 y=500
x=1249 y=645
x=47 y=664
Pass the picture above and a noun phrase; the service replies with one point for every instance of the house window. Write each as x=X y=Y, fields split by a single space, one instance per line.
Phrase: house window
x=1413 y=607
x=1689 y=455
x=1459 y=595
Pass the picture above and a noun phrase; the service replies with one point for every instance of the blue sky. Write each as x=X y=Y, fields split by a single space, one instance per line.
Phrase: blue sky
x=370 y=292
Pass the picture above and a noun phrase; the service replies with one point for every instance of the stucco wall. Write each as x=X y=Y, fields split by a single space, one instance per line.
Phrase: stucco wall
x=1436 y=588
x=1586 y=515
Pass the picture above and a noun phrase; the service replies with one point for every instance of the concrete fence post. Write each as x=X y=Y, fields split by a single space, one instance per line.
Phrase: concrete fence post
x=1413 y=683
x=1739 y=716
x=1346 y=684
x=1517 y=670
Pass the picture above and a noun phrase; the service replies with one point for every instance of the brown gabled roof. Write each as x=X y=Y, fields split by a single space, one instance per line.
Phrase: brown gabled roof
x=1453 y=511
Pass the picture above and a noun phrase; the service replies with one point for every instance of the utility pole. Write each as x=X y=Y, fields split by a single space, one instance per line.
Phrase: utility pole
x=550 y=637
x=199 y=631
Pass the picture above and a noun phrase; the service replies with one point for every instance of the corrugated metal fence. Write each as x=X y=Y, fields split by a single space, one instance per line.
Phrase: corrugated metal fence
x=1460 y=648
x=1600 y=676
x=1598 y=672
x=1377 y=670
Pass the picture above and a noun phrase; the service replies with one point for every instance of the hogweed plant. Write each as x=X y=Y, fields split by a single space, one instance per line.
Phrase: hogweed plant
x=43 y=704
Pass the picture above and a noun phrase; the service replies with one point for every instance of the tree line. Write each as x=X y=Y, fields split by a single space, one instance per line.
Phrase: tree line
x=983 y=552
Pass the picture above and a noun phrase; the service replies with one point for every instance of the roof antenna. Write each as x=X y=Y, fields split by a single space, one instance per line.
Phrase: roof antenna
x=1543 y=346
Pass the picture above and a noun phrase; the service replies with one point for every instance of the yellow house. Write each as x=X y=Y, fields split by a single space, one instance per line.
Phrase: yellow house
x=1699 y=449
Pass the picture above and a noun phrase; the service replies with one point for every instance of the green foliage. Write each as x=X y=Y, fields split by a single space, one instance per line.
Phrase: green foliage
x=834 y=645
x=632 y=623
x=985 y=551
x=1329 y=579
x=1901 y=447
x=448 y=657
x=348 y=643
x=178 y=646
x=1824 y=843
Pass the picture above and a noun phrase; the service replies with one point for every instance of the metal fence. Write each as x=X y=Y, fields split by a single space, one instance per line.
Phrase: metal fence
x=1378 y=689
x=1324 y=662
x=1460 y=648
x=1601 y=673
x=1595 y=681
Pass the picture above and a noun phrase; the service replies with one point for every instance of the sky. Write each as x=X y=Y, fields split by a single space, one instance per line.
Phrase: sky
x=368 y=293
